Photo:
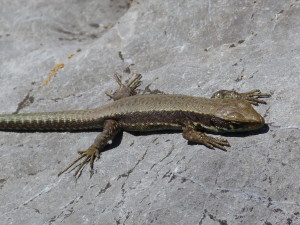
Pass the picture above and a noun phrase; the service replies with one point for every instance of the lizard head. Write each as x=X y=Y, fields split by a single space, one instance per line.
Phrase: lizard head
x=236 y=116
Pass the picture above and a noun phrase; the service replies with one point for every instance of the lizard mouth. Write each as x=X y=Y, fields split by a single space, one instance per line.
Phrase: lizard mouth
x=221 y=125
x=247 y=126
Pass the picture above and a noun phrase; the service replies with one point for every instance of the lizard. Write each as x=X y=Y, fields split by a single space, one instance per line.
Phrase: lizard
x=225 y=111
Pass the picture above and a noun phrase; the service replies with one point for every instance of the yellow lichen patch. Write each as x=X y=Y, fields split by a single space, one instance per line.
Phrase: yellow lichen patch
x=53 y=73
x=70 y=56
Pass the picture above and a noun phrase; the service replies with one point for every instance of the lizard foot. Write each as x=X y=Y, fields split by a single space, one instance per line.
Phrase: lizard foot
x=252 y=96
x=88 y=156
x=198 y=137
x=212 y=143
x=127 y=89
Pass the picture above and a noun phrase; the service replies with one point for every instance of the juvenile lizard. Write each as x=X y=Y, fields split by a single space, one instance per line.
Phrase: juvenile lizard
x=226 y=111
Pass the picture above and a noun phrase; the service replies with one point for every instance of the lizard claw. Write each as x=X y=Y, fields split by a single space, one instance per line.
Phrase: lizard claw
x=88 y=156
x=252 y=97
x=212 y=142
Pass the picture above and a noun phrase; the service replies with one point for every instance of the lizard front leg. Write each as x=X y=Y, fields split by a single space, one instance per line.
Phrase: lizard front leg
x=252 y=96
x=110 y=129
x=192 y=135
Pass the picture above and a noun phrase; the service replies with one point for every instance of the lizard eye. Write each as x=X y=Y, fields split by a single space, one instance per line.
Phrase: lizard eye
x=235 y=116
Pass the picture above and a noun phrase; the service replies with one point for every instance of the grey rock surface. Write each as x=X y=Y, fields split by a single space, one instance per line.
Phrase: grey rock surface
x=183 y=47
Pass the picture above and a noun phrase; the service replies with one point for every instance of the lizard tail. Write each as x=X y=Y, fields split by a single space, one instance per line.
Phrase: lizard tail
x=50 y=121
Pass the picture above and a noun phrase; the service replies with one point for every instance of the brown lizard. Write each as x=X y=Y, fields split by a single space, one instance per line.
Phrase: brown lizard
x=226 y=111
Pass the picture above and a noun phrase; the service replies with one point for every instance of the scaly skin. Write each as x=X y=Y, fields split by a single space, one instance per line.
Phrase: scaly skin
x=143 y=113
x=226 y=111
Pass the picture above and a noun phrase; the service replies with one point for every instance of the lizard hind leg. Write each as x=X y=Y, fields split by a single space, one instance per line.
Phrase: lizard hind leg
x=110 y=129
x=125 y=89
